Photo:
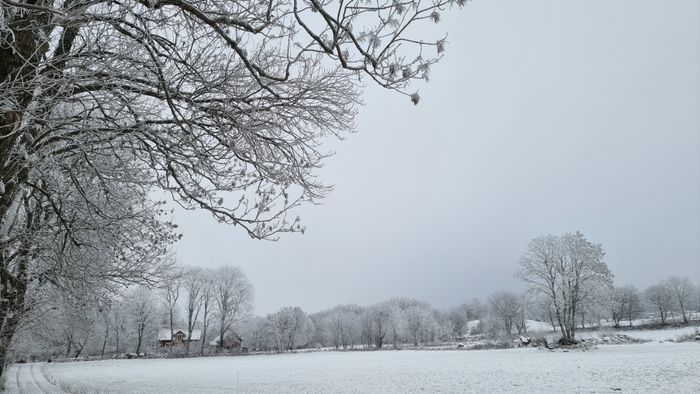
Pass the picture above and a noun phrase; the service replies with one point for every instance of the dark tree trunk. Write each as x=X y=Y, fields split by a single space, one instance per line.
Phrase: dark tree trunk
x=140 y=337
x=104 y=343
x=69 y=347
x=685 y=318
x=205 y=326
x=221 y=335
x=78 y=350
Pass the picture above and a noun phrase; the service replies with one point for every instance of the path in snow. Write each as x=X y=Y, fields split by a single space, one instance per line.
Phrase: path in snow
x=29 y=379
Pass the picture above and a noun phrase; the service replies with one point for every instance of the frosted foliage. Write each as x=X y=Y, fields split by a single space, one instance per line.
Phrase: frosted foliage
x=226 y=103
x=570 y=271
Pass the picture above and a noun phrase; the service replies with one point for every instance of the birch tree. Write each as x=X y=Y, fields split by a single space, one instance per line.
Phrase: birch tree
x=569 y=270
x=233 y=295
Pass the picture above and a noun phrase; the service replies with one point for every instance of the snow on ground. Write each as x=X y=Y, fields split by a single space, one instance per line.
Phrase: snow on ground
x=537 y=326
x=27 y=379
x=650 y=367
x=660 y=335
x=532 y=325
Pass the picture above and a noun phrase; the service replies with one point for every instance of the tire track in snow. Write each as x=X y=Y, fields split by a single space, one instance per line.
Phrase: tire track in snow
x=30 y=379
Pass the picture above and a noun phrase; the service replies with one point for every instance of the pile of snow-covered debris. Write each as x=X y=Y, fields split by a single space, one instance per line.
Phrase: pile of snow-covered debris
x=614 y=339
x=530 y=342
x=689 y=337
x=583 y=344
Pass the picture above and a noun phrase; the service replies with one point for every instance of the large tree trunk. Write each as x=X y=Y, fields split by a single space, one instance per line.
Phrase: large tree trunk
x=13 y=289
x=562 y=325
x=21 y=57
x=104 y=343
x=221 y=334
x=116 y=345
x=685 y=318
x=140 y=337
x=663 y=316
x=205 y=326
x=7 y=333
x=69 y=347
x=78 y=349
x=172 y=334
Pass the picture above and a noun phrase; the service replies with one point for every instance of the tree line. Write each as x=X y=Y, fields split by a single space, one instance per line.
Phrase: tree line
x=218 y=303
x=209 y=300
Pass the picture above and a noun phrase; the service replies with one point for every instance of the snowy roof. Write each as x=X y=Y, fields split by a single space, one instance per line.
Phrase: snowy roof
x=164 y=334
x=215 y=340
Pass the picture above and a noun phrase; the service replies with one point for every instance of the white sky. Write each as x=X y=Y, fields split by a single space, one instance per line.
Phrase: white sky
x=544 y=117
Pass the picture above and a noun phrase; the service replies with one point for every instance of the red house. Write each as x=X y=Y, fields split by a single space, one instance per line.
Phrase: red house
x=179 y=337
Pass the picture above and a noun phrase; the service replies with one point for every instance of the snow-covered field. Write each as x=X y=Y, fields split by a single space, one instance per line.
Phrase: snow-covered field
x=649 y=367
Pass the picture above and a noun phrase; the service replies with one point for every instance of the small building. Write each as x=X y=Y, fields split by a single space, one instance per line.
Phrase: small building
x=232 y=341
x=179 y=337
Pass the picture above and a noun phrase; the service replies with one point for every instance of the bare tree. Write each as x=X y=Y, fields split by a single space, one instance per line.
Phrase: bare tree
x=508 y=311
x=171 y=293
x=418 y=320
x=234 y=299
x=193 y=283
x=660 y=296
x=380 y=316
x=256 y=330
x=625 y=303
x=207 y=282
x=105 y=315
x=290 y=327
x=213 y=97
x=335 y=326
x=78 y=325
x=634 y=304
x=83 y=233
x=543 y=310
x=397 y=322
x=473 y=310
x=141 y=307
x=618 y=306
x=682 y=289
x=459 y=322
x=596 y=307
x=341 y=325
x=569 y=270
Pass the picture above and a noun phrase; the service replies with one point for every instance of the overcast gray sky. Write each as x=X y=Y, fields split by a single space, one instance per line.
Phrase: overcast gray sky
x=544 y=117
